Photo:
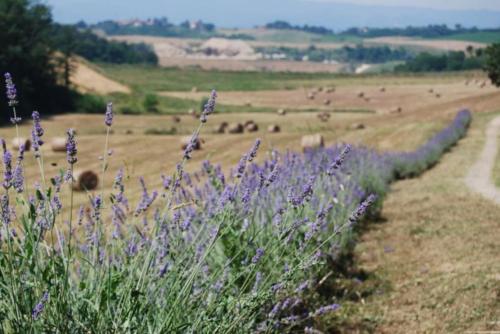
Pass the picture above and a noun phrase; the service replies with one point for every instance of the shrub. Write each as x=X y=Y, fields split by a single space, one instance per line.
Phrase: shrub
x=90 y=103
x=150 y=103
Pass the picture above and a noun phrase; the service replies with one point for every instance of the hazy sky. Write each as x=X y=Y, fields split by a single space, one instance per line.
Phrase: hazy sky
x=436 y=4
x=336 y=14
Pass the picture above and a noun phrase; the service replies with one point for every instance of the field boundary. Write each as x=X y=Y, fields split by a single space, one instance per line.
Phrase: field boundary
x=480 y=177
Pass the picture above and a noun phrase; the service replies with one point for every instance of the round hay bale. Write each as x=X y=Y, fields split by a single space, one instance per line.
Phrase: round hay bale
x=324 y=116
x=330 y=90
x=248 y=122
x=248 y=103
x=252 y=127
x=235 y=128
x=85 y=180
x=483 y=84
x=17 y=142
x=357 y=126
x=281 y=112
x=273 y=128
x=327 y=102
x=192 y=112
x=129 y=132
x=438 y=95
x=431 y=90
x=311 y=95
x=176 y=119
x=194 y=89
x=311 y=142
x=382 y=89
x=186 y=140
x=221 y=128
x=58 y=144
x=361 y=95
x=320 y=89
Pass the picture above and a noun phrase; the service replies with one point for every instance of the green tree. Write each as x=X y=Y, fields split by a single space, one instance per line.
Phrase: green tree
x=27 y=53
x=492 y=66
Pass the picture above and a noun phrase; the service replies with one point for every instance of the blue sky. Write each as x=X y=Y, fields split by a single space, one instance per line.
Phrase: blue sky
x=336 y=14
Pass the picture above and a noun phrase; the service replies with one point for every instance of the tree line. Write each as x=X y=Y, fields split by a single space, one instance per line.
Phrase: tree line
x=37 y=52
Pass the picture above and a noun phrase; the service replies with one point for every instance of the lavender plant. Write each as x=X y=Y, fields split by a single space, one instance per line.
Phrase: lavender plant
x=210 y=252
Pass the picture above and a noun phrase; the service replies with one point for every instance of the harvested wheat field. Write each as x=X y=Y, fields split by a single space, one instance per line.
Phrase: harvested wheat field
x=432 y=44
x=86 y=79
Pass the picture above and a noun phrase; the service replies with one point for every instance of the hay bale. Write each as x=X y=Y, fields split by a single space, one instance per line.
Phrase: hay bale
x=382 y=89
x=273 y=128
x=361 y=95
x=58 y=144
x=176 y=119
x=397 y=110
x=194 y=89
x=320 y=89
x=17 y=142
x=235 y=128
x=85 y=180
x=324 y=116
x=438 y=95
x=311 y=95
x=129 y=132
x=192 y=112
x=252 y=127
x=311 y=142
x=327 y=102
x=431 y=91
x=483 y=84
x=248 y=103
x=186 y=140
x=281 y=112
x=221 y=128
x=248 y=122
x=357 y=126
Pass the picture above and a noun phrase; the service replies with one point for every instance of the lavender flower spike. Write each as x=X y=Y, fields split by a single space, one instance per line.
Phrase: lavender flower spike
x=71 y=150
x=259 y=253
x=209 y=107
x=11 y=91
x=40 y=306
x=253 y=152
x=361 y=210
x=339 y=161
x=108 y=117
x=7 y=163
x=18 y=177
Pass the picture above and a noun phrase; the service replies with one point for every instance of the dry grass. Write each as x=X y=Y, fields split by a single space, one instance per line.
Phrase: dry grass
x=88 y=80
x=438 y=251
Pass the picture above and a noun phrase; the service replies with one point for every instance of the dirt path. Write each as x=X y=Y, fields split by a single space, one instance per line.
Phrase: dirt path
x=438 y=253
x=479 y=178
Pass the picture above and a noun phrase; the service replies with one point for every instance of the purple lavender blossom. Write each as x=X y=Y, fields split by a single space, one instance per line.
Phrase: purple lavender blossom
x=18 y=177
x=339 y=160
x=108 y=117
x=11 y=91
x=360 y=211
x=209 y=107
x=7 y=164
x=71 y=150
x=240 y=169
x=325 y=309
x=259 y=253
x=5 y=209
x=37 y=311
x=253 y=152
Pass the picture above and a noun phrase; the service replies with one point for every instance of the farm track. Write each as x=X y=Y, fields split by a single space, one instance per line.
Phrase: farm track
x=437 y=254
x=479 y=178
